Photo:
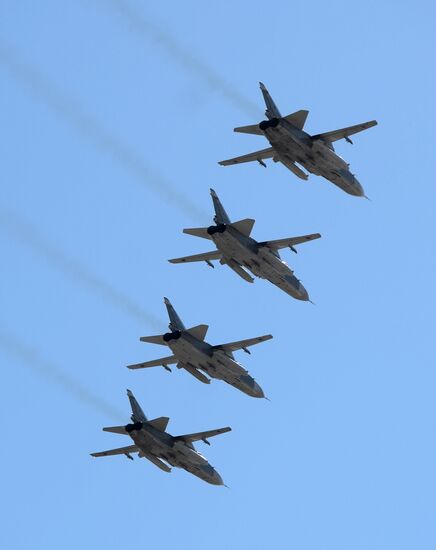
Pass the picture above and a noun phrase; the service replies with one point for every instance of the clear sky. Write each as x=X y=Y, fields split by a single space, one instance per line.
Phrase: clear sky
x=114 y=115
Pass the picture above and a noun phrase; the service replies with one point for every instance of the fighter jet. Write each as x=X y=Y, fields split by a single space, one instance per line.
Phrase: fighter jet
x=290 y=144
x=238 y=250
x=193 y=354
x=151 y=441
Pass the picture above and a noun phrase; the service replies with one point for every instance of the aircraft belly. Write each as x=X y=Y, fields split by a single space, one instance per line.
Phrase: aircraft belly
x=146 y=442
x=227 y=369
x=187 y=352
x=232 y=248
x=188 y=456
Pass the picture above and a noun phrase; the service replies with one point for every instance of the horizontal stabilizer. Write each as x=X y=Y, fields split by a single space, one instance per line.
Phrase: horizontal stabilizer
x=252 y=129
x=116 y=430
x=119 y=451
x=160 y=423
x=291 y=241
x=198 y=232
x=204 y=257
x=156 y=461
x=189 y=438
x=241 y=344
x=244 y=226
x=297 y=119
x=158 y=339
x=345 y=132
x=257 y=155
x=163 y=361
x=198 y=332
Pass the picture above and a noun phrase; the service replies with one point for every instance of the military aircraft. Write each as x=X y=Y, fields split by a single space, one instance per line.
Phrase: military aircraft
x=193 y=354
x=290 y=144
x=237 y=249
x=151 y=441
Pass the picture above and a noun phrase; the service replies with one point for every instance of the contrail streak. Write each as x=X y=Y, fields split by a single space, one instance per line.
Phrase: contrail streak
x=143 y=26
x=90 y=127
x=27 y=234
x=56 y=375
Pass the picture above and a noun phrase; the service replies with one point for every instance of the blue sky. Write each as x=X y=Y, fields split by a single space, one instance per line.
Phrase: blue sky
x=114 y=117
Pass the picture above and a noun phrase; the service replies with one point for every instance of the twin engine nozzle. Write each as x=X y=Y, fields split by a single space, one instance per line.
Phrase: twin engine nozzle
x=219 y=228
x=136 y=426
x=273 y=123
x=172 y=335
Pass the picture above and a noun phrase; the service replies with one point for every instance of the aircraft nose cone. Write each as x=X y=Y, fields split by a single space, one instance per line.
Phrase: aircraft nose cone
x=250 y=386
x=257 y=391
x=298 y=291
x=216 y=479
x=357 y=189
x=210 y=475
x=302 y=294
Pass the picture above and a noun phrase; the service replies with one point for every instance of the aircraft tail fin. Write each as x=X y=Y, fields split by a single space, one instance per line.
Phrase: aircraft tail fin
x=137 y=413
x=271 y=108
x=221 y=216
x=175 y=321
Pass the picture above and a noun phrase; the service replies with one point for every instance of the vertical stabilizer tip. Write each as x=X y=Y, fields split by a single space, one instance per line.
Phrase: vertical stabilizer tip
x=166 y=301
x=212 y=192
x=129 y=393
x=262 y=86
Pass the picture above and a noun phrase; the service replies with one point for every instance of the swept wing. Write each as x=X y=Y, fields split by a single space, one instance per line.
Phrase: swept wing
x=345 y=132
x=242 y=344
x=189 y=438
x=290 y=241
x=119 y=451
x=204 y=257
x=257 y=155
x=171 y=359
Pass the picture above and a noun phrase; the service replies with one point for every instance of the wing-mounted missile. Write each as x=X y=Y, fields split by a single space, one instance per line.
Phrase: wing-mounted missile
x=294 y=168
x=238 y=269
x=195 y=372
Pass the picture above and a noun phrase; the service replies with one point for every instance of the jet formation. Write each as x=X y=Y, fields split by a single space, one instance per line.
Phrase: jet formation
x=194 y=355
x=236 y=249
x=291 y=145
x=152 y=441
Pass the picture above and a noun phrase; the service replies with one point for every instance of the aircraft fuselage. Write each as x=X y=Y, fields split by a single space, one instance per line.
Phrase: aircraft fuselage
x=176 y=452
x=317 y=156
x=260 y=260
x=215 y=362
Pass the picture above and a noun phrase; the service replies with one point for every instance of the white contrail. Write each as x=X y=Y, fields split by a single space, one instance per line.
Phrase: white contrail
x=142 y=25
x=24 y=232
x=87 y=125
x=57 y=375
